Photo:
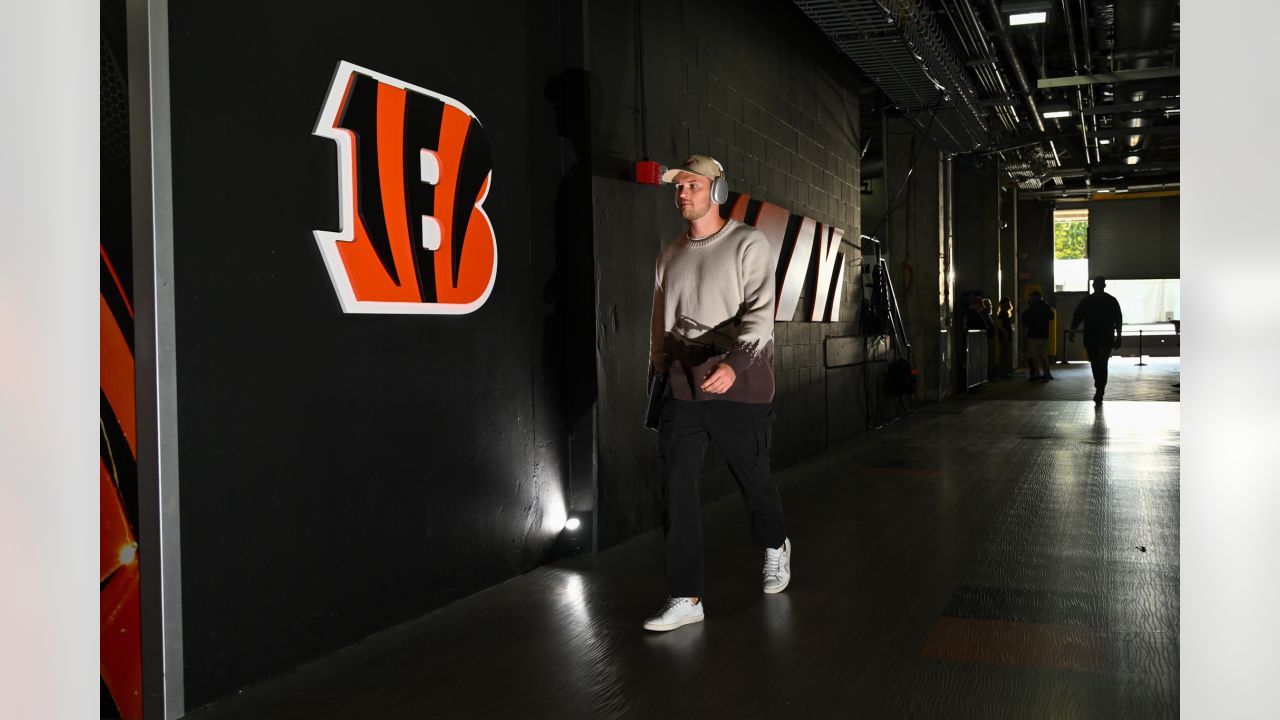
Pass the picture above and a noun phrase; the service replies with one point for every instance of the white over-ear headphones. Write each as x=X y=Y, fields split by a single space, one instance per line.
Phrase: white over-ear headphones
x=719 y=186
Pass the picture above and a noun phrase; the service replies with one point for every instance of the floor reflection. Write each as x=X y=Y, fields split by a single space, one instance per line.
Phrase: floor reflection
x=1015 y=559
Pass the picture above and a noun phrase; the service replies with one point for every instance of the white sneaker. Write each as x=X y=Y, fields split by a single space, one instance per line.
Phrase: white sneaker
x=777 y=568
x=678 y=611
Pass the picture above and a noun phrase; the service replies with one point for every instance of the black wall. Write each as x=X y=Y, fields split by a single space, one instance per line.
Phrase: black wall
x=977 y=226
x=1035 y=246
x=341 y=473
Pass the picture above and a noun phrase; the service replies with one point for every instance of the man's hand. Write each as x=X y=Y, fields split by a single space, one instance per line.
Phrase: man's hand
x=1118 y=341
x=1071 y=335
x=719 y=380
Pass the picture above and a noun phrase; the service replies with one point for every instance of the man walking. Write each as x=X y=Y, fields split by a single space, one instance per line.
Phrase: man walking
x=1103 y=324
x=712 y=333
x=1036 y=320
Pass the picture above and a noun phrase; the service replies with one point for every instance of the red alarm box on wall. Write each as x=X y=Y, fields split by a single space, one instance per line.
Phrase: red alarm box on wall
x=649 y=172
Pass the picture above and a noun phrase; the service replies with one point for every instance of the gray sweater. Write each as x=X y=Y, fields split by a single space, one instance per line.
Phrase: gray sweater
x=713 y=302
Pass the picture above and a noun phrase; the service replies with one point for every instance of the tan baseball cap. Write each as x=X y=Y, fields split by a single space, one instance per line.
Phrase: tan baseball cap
x=698 y=165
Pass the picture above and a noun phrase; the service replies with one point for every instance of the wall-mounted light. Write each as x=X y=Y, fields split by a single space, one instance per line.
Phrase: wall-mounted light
x=577 y=534
x=1026 y=12
x=577 y=523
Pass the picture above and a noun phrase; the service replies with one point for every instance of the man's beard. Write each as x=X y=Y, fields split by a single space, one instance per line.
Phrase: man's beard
x=692 y=212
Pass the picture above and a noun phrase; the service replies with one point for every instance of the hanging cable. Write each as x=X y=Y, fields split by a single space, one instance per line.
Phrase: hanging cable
x=644 y=129
x=893 y=204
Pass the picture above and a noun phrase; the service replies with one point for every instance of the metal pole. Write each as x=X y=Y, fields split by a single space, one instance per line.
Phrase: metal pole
x=1140 y=363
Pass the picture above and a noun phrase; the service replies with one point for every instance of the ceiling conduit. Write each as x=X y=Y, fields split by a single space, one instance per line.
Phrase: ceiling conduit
x=1019 y=74
x=1075 y=69
x=1088 y=68
x=900 y=46
x=1029 y=179
x=1141 y=26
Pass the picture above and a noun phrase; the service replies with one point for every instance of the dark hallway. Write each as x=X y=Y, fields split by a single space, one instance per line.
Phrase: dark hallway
x=995 y=556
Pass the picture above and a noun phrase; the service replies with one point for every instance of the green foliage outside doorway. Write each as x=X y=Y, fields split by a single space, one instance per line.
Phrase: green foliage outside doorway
x=1070 y=240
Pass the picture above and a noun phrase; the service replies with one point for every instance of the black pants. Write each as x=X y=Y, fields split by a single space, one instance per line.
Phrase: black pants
x=741 y=431
x=1099 y=355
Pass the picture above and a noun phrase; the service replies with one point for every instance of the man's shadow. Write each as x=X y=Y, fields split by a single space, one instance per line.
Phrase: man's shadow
x=569 y=331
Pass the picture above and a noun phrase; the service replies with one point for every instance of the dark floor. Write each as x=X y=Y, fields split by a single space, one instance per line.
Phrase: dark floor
x=1012 y=553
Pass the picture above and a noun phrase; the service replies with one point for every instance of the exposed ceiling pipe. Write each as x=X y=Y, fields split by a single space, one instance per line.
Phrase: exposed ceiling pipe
x=1164 y=103
x=965 y=7
x=1140 y=26
x=1099 y=170
x=1075 y=68
x=902 y=49
x=1019 y=74
x=1123 y=55
x=1085 y=193
x=1017 y=143
x=1088 y=67
x=973 y=37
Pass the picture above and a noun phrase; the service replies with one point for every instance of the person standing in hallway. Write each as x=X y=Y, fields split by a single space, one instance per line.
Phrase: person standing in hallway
x=1103 y=324
x=712 y=334
x=1004 y=336
x=972 y=319
x=1036 y=320
x=989 y=317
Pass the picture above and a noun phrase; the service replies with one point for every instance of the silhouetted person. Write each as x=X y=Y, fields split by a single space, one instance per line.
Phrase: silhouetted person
x=1036 y=320
x=1004 y=334
x=712 y=333
x=1103 y=323
x=973 y=318
x=989 y=317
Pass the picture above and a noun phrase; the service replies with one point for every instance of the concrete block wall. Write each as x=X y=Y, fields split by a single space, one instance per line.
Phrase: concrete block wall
x=913 y=235
x=777 y=143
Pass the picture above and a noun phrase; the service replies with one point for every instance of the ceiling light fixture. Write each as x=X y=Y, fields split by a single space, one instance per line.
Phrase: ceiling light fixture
x=1056 y=111
x=1131 y=159
x=1026 y=12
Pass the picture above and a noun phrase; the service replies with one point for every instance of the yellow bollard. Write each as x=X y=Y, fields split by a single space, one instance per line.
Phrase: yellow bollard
x=1052 y=346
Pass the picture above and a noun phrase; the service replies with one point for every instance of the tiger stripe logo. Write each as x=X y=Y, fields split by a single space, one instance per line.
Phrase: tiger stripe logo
x=414 y=170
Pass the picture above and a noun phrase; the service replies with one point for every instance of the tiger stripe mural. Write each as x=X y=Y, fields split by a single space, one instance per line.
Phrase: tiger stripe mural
x=120 y=611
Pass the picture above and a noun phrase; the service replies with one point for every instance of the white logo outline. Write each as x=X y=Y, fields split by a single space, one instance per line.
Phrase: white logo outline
x=328 y=240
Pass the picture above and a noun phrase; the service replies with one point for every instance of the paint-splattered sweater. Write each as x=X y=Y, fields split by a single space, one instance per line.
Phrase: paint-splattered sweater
x=713 y=302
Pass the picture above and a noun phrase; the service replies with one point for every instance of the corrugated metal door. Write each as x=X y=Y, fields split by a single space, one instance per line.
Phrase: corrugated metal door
x=1134 y=239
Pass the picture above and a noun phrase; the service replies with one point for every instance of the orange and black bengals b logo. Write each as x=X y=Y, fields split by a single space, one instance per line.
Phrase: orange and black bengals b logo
x=414 y=169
